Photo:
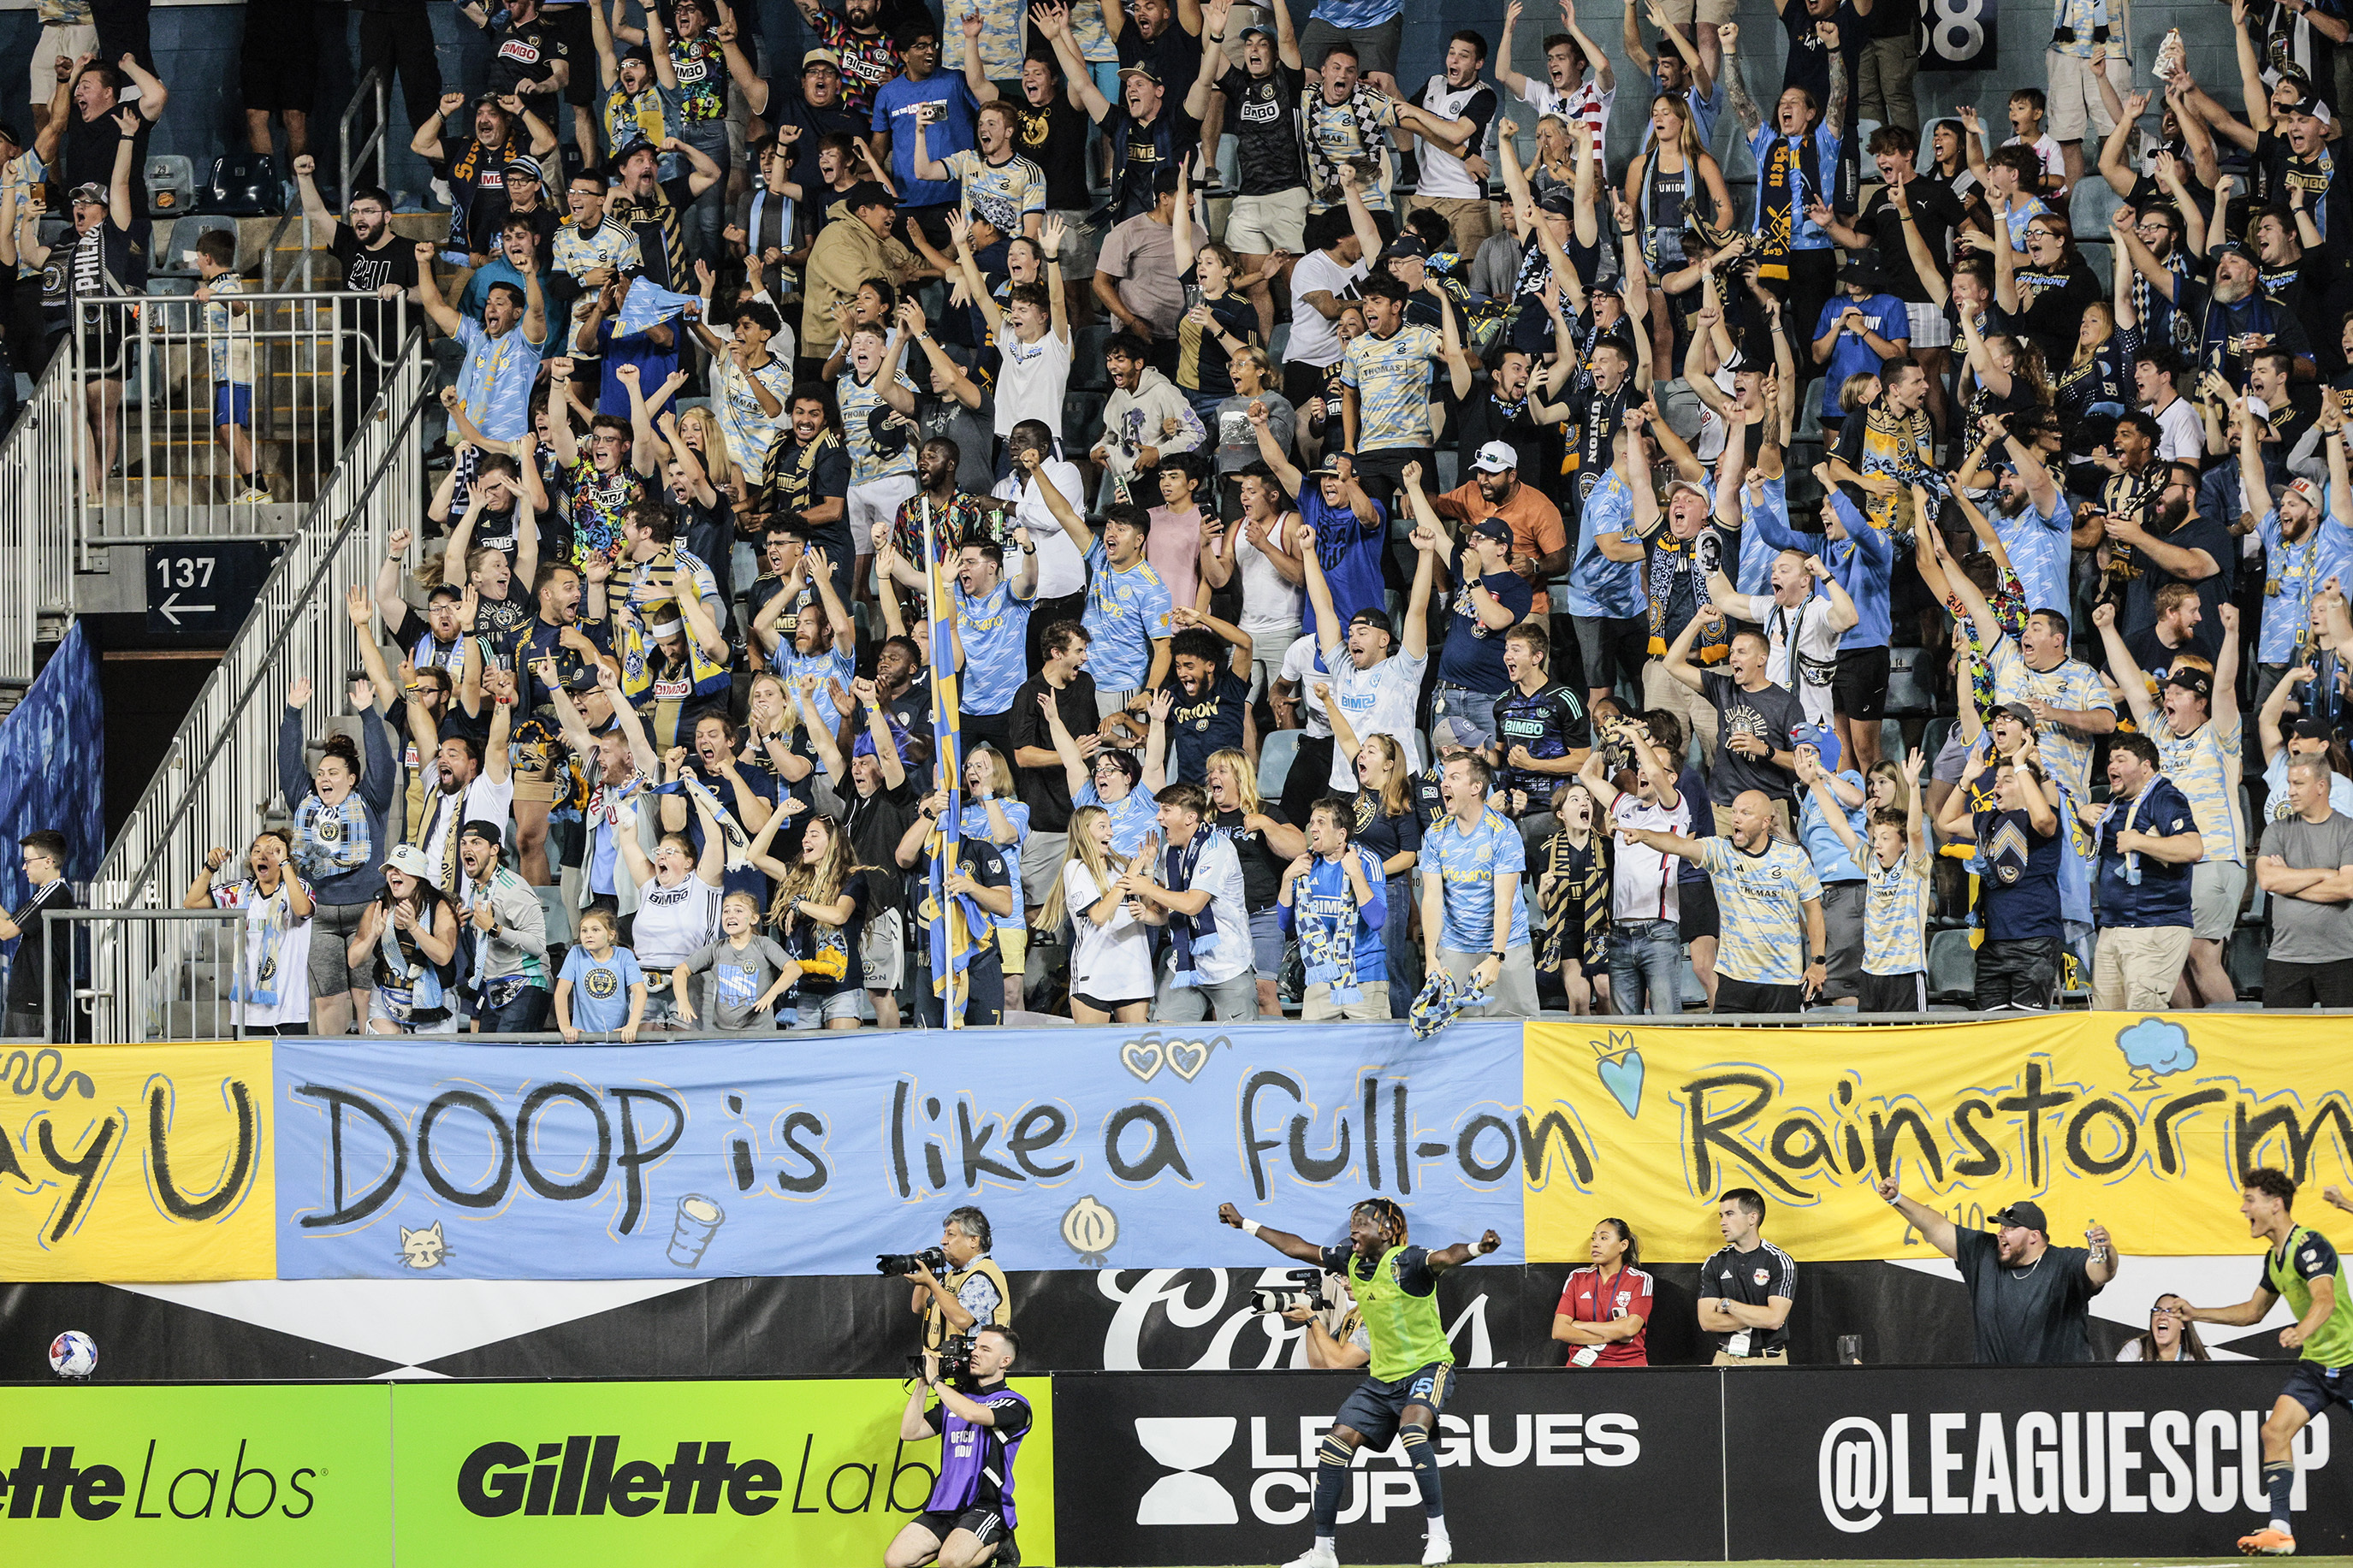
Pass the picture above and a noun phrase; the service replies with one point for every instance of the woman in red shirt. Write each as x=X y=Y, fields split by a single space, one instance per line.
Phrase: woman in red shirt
x=1605 y=1307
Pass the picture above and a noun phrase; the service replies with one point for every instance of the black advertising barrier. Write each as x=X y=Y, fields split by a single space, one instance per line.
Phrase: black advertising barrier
x=1190 y=1468
x=2078 y=1461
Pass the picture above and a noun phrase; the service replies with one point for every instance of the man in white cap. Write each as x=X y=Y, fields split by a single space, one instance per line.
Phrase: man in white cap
x=1540 y=544
x=1489 y=599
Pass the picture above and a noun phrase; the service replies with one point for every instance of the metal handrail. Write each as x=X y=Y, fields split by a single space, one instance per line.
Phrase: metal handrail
x=221 y=769
x=134 y=966
x=375 y=142
x=38 y=473
x=298 y=349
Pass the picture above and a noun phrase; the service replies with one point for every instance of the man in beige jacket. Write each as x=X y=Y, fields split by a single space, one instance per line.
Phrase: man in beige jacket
x=854 y=244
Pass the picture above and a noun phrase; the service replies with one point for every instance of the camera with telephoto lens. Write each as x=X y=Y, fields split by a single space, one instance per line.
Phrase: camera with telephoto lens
x=931 y=1257
x=1306 y=1291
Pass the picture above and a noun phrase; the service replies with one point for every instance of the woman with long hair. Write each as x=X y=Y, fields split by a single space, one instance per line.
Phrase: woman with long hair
x=818 y=912
x=1555 y=162
x=1387 y=826
x=2049 y=287
x=272 y=996
x=1604 y=1308
x=1948 y=158
x=1672 y=176
x=1573 y=891
x=339 y=827
x=2099 y=379
x=991 y=812
x=407 y=943
x=1884 y=789
x=1265 y=842
x=1111 y=964
x=2170 y=1336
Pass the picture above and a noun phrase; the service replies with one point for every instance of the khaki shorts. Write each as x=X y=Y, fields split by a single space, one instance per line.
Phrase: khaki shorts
x=72 y=43
x=1373 y=1006
x=1471 y=219
x=1770 y=1358
x=1714 y=13
x=2074 y=95
x=1013 y=950
x=1515 y=992
x=2134 y=968
x=1260 y=225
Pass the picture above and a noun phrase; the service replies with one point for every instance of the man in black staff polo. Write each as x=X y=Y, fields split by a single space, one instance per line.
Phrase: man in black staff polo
x=2031 y=1300
x=1745 y=1288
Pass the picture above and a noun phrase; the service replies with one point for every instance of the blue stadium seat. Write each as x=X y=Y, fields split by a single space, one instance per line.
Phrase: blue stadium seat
x=1274 y=757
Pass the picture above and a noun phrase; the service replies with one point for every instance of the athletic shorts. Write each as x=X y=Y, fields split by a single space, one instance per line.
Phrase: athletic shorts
x=1613 y=647
x=1697 y=915
x=2316 y=1387
x=1260 y=226
x=1891 y=993
x=570 y=27
x=1376 y=1408
x=1107 y=1004
x=983 y=1524
x=1376 y=46
x=1859 y=689
x=72 y=42
x=882 y=950
x=232 y=404
x=1930 y=330
x=1750 y=997
x=2215 y=888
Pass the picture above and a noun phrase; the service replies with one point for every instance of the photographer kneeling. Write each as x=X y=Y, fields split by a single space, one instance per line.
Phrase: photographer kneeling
x=969 y=1519
x=959 y=1289
x=1334 y=1330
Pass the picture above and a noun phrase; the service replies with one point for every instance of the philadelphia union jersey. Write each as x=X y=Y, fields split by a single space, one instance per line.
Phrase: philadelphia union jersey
x=976 y=1462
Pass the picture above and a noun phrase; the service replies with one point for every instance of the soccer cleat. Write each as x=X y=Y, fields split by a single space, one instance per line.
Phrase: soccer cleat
x=2268 y=1542
x=1439 y=1550
x=1317 y=1556
x=257 y=496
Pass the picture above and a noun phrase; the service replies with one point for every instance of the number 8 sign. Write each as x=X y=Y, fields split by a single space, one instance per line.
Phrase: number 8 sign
x=1960 y=35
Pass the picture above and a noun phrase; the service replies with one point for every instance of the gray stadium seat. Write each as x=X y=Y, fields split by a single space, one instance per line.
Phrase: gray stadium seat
x=1274 y=757
x=1952 y=966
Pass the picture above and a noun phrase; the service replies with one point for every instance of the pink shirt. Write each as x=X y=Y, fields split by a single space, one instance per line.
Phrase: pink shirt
x=1175 y=552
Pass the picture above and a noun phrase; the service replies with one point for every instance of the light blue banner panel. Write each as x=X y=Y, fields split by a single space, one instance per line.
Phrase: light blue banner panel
x=808 y=1156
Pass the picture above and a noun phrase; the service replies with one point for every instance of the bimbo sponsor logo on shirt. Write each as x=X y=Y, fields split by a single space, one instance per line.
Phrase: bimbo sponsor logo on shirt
x=2077 y=1462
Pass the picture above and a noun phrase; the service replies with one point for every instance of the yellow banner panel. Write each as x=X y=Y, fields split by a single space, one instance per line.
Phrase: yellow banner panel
x=2142 y=1124
x=133 y=1163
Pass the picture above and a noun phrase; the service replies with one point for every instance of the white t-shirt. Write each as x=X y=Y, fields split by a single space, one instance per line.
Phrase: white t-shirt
x=1377 y=702
x=1442 y=174
x=1817 y=640
x=1030 y=381
x=673 y=922
x=1642 y=880
x=1300 y=669
x=2054 y=163
x=1062 y=571
x=485 y=800
x=1220 y=872
x=1314 y=339
x=1584 y=101
x=2181 y=433
x=1271 y=601
x=1113 y=963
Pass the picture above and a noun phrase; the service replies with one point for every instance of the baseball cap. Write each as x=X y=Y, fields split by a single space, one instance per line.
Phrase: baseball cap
x=2193 y=680
x=868 y=194
x=1142 y=69
x=1260 y=31
x=1822 y=739
x=2017 y=710
x=1327 y=471
x=820 y=57
x=1372 y=615
x=2309 y=490
x=526 y=165
x=1496 y=457
x=2238 y=249
x=2025 y=1212
x=410 y=859
x=8 y=133
x=1860 y=270
x=87 y=191
x=1452 y=735
x=638 y=53
x=480 y=827
x=1494 y=528
x=1560 y=199
x=2312 y=730
x=1406 y=245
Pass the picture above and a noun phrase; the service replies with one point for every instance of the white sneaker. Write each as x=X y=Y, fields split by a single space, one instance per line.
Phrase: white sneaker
x=1317 y=1556
x=257 y=496
x=1440 y=1549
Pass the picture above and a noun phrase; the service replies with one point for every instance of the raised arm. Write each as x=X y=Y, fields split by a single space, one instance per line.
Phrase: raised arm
x=1297 y=1249
x=1736 y=83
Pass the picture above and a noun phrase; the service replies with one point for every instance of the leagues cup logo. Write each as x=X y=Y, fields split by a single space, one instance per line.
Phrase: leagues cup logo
x=1185 y=1444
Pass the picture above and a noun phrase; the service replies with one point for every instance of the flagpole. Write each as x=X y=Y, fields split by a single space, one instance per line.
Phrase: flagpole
x=944 y=759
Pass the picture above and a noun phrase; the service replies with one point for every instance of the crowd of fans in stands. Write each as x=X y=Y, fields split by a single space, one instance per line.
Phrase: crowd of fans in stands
x=1600 y=725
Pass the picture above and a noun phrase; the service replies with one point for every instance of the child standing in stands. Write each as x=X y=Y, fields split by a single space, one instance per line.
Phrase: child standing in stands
x=748 y=972
x=601 y=990
x=231 y=353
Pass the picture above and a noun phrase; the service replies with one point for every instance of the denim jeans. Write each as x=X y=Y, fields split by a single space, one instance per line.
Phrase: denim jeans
x=527 y=1015
x=708 y=215
x=1646 y=967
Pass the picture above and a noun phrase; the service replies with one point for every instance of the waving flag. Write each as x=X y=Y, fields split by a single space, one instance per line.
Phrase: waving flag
x=951 y=921
x=650 y=304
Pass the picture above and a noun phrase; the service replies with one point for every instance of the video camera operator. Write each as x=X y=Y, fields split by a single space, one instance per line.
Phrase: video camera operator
x=959 y=1289
x=969 y=1519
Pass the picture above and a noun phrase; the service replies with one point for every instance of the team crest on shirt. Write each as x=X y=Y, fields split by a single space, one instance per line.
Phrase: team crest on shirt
x=1758 y=1275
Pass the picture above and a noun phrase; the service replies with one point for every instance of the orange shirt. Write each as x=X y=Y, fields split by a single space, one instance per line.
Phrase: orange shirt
x=1536 y=528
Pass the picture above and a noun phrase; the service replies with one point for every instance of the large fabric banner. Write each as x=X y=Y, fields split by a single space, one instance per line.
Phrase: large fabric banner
x=136 y=1163
x=2142 y=1124
x=1087 y=1148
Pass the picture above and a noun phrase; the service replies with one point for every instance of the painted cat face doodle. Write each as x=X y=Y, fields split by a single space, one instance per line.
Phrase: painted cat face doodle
x=423 y=1248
